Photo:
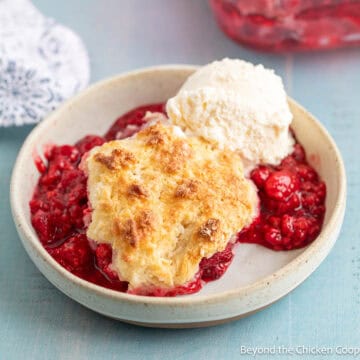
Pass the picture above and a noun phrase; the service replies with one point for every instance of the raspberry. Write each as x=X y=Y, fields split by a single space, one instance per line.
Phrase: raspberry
x=306 y=173
x=301 y=227
x=259 y=175
x=103 y=254
x=281 y=184
x=133 y=117
x=273 y=236
x=274 y=221
x=88 y=142
x=74 y=254
x=287 y=225
x=298 y=153
x=251 y=234
x=40 y=165
x=282 y=207
x=319 y=212
x=309 y=200
x=214 y=267
x=288 y=163
x=307 y=186
x=313 y=230
x=68 y=152
x=320 y=191
x=292 y=204
x=42 y=225
x=60 y=197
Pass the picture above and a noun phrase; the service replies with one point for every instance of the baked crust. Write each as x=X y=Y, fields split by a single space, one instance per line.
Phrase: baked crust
x=165 y=201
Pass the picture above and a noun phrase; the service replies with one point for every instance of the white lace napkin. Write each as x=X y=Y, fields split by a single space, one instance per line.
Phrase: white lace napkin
x=41 y=63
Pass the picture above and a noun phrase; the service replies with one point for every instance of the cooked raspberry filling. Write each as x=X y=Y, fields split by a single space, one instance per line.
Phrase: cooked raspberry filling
x=291 y=204
x=291 y=194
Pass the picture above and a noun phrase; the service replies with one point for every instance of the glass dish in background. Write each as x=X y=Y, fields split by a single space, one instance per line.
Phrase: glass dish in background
x=290 y=25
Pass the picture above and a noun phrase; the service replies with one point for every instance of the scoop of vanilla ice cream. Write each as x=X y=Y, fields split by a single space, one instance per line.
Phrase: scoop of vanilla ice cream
x=238 y=105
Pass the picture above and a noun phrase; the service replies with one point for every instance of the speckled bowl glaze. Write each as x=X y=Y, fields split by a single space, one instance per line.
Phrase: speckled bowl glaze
x=256 y=278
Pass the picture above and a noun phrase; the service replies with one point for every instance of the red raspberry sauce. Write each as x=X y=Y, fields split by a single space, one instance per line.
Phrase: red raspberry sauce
x=292 y=210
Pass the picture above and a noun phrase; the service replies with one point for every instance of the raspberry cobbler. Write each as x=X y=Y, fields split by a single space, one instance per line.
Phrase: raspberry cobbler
x=291 y=210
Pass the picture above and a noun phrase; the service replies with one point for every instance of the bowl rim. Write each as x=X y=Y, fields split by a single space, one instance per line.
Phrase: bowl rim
x=24 y=226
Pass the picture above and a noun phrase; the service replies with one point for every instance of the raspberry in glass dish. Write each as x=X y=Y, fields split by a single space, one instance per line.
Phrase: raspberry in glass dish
x=299 y=25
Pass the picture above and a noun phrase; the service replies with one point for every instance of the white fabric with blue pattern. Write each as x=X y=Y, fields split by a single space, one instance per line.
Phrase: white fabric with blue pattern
x=42 y=63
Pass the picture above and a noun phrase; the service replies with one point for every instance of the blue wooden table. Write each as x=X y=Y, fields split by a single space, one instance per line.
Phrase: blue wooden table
x=38 y=322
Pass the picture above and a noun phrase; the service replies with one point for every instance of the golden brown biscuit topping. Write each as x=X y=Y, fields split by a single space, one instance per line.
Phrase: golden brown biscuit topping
x=187 y=188
x=137 y=190
x=164 y=201
x=209 y=229
x=118 y=157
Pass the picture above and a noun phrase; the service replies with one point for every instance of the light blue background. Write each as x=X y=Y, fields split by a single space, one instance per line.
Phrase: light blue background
x=39 y=322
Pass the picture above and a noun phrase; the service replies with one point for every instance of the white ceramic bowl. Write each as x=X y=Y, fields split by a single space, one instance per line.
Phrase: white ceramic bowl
x=257 y=276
